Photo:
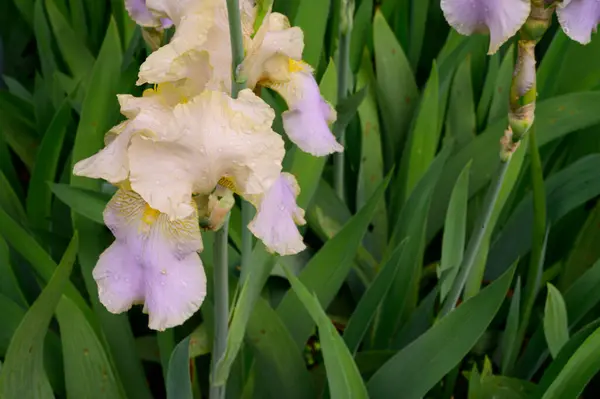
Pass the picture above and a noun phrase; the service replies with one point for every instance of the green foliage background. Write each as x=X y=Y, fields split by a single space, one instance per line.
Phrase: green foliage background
x=422 y=145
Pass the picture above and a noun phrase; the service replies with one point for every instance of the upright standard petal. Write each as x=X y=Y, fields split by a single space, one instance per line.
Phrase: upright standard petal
x=267 y=54
x=199 y=55
x=277 y=217
x=501 y=18
x=579 y=18
x=307 y=121
x=153 y=261
x=213 y=136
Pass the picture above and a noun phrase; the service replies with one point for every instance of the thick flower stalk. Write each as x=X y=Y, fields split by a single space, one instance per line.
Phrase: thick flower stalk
x=186 y=147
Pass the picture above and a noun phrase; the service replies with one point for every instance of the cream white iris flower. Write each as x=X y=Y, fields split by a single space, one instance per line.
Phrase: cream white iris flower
x=186 y=146
x=199 y=57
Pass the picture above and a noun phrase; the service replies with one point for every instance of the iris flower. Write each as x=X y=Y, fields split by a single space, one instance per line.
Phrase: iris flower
x=579 y=18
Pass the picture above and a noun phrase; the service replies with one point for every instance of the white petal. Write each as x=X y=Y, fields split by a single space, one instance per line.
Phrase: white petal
x=274 y=43
x=579 y=18
x=278 y=213
x=502 y=18
x=307 y=121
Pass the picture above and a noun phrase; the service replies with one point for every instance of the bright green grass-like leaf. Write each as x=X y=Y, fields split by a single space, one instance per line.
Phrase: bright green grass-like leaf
x=88 y=372
x=166 y=344
x=9 y=285
x=342 y=374
x=8 y=169
x=556 y=325
x=262 y=265
x=39 y=196
x=555 y=118
x=578 y=371
x=43 y=38
x=98 y=110
x=371 y=172
x=487 y=93
x=453 y=244
x=487 y=385
x=580 y=299
x=585 y=250
x=423 y=140
x=10 y=202
x=326 y=271
x=565 y=191
x=510 y=331
x=564 y=355
x=460 y=119
x=179 y=385
x=23 y=372
x=410 y=224
x=499 y=105
x=16 y=88
x=441 y=348
x=76 y=55
x=39 y=259
x=279 y=366
x=418 y=20
x=87 y=203
x=312 y=18
x=367 y=306
x=18 y=130
x=12 y=314
x=361 y=29
x=396 y=88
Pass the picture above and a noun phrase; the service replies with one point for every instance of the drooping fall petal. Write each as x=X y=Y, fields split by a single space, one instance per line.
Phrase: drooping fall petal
x=579 y=18
x=153 y=261
x=501 y=18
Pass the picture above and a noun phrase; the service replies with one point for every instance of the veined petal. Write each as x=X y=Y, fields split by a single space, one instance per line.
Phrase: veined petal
x=277 y=216
x=200 y=52
x=501 y=18
x=139 y=12
x=307 y=121
x=153 y=261
x=149 y=115
x=579 y=18
x=213 y=136
x=270 y=49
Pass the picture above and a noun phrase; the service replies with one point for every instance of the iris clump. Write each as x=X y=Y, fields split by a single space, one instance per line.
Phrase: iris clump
x=187 y=143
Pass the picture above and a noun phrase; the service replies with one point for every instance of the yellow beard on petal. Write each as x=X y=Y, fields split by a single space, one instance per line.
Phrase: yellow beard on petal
x=150 y=215
x=228 y=182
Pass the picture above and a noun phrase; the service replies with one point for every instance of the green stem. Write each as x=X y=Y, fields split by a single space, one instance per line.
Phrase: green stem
x=220 y=260
x=237 y=44
x=476 y=239
x=221 y=302
x=342 y=92
x=247 y=241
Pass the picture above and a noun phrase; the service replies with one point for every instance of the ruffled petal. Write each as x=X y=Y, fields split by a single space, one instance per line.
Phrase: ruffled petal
x=277 y=216
x=501 y=18
x=153 y=261
x=149 y=116
x=270 y=49
x=579 y=18
x=307 y=121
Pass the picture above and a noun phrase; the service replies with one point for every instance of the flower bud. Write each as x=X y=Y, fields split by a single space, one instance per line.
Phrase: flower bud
x=523 y=91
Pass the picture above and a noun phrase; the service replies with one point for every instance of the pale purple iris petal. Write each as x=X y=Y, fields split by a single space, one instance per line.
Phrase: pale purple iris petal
x=501 y=18
x=579 y=18
x=277 y=216
x=140 y=13
x=119 y=277
x=153 y=261
x=175 y=288
x=307 y=121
